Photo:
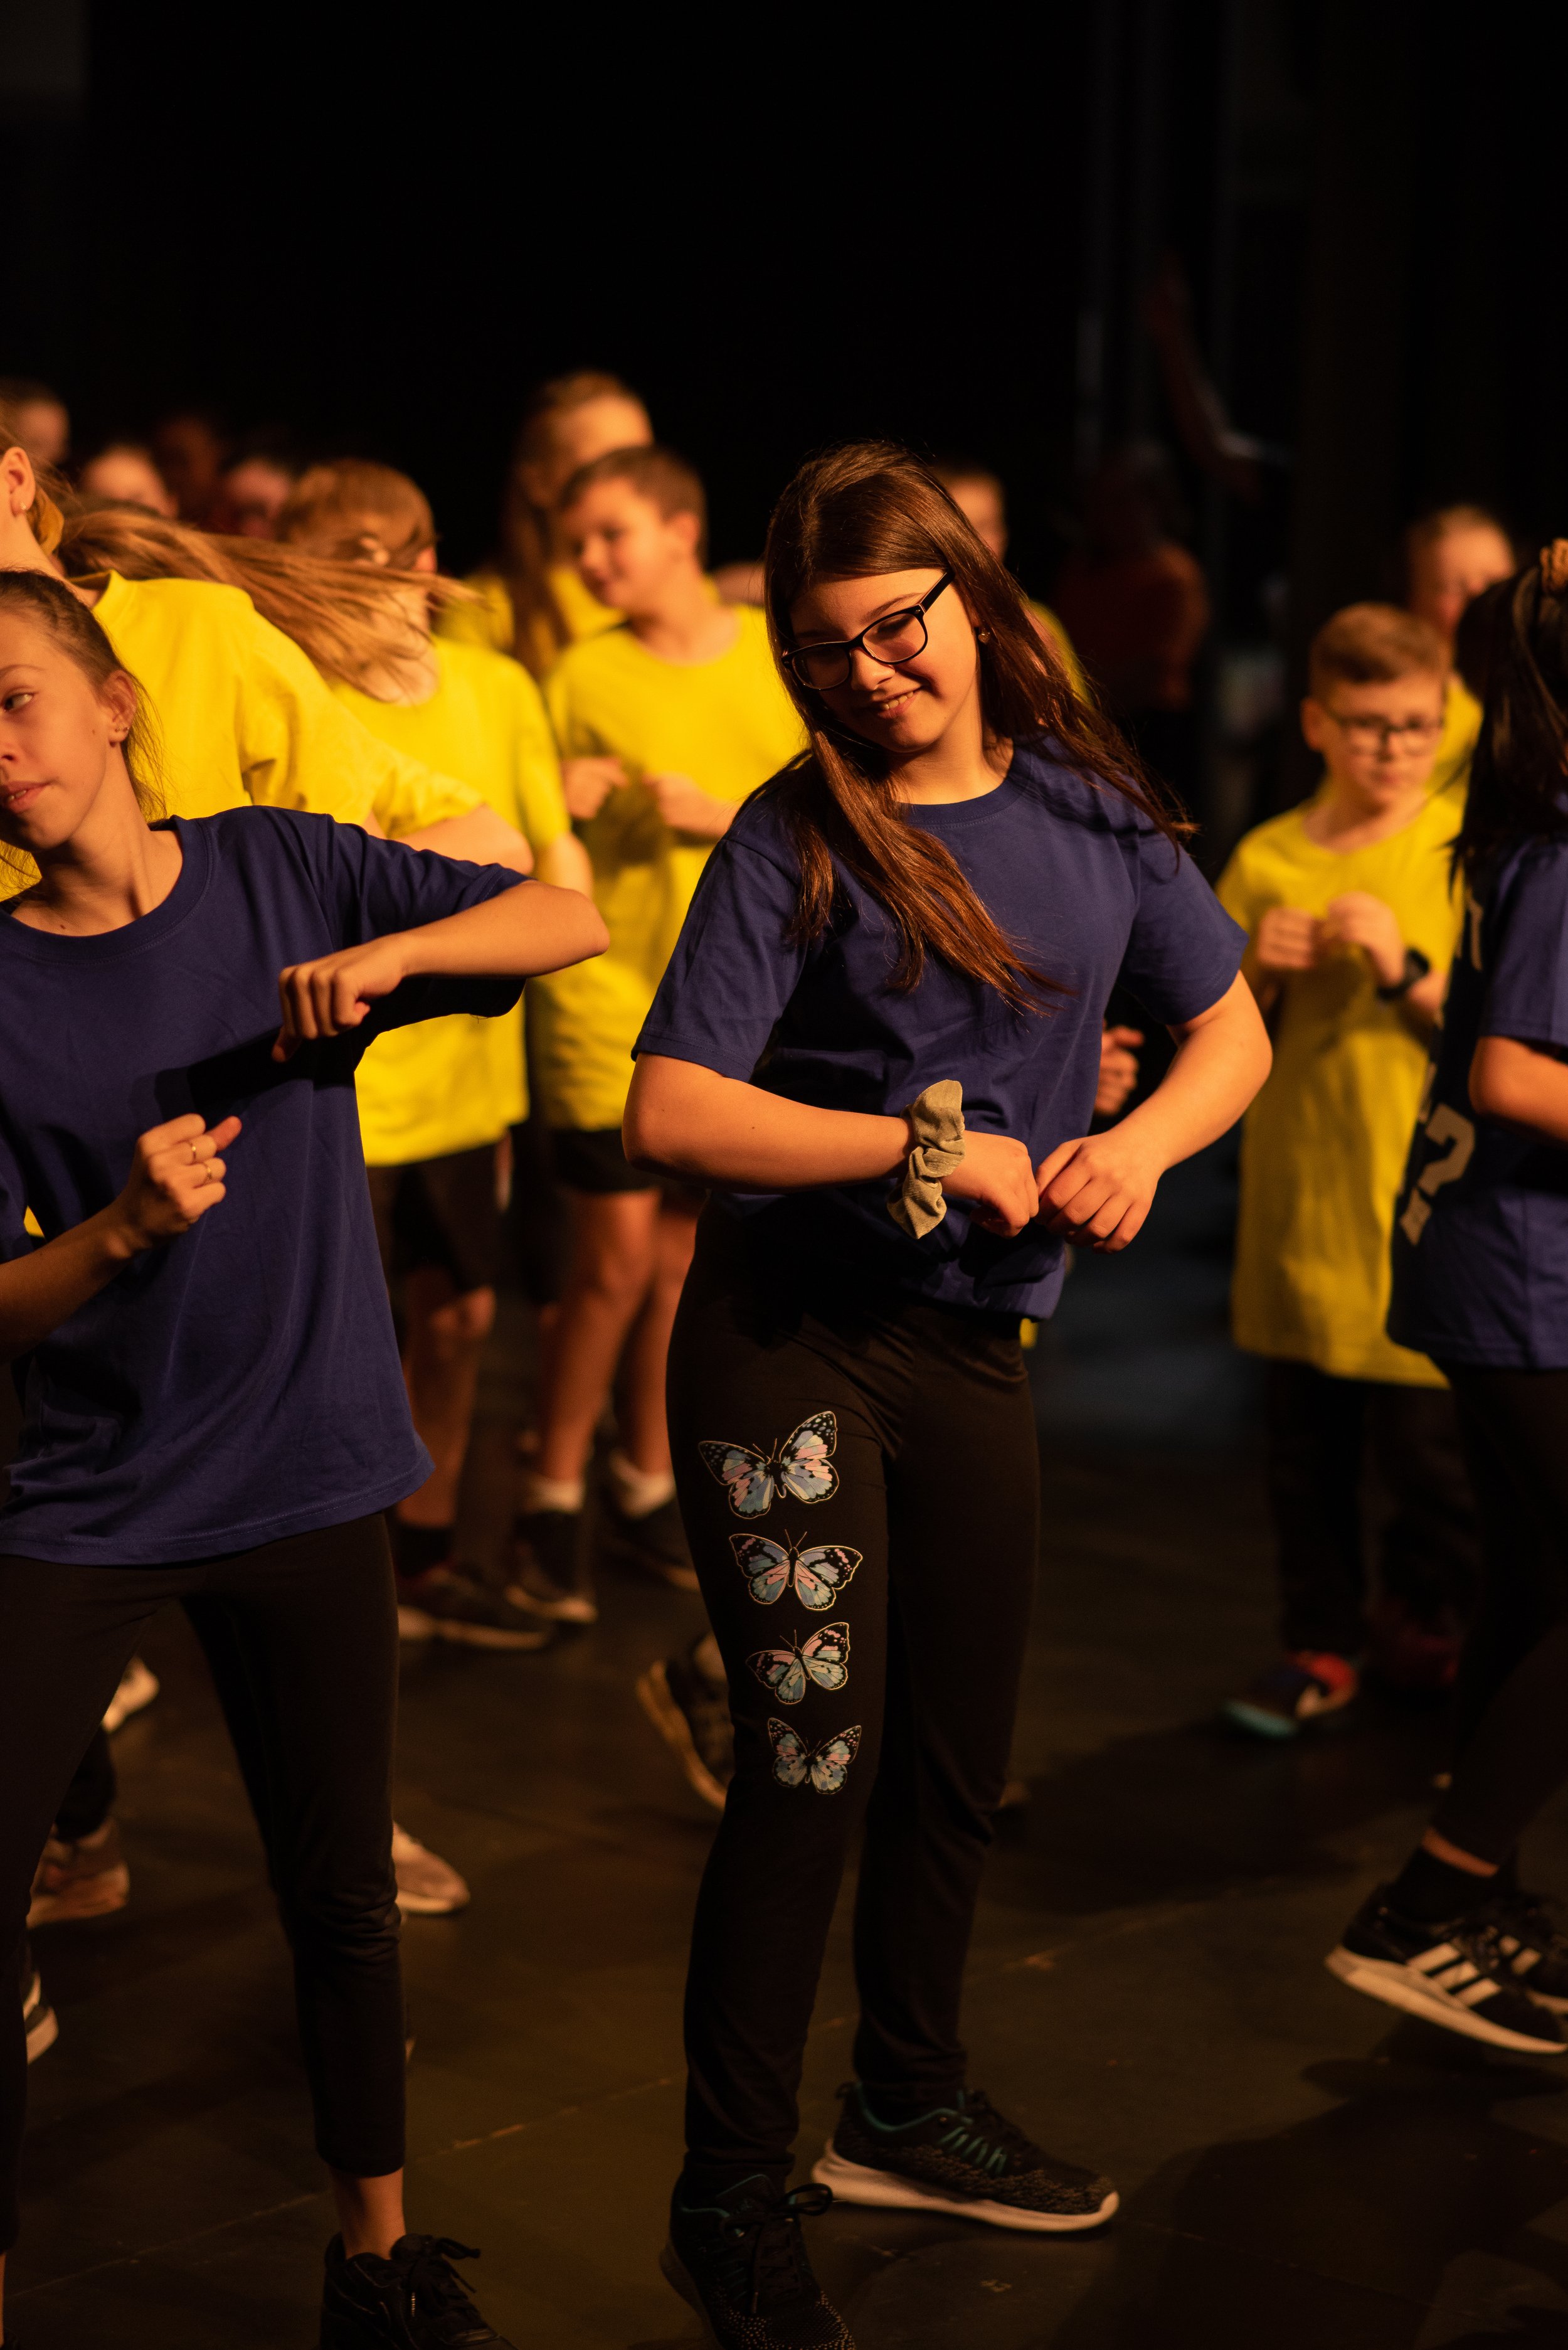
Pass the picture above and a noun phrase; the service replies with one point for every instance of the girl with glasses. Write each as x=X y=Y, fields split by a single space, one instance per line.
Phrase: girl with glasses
x=878 y=1042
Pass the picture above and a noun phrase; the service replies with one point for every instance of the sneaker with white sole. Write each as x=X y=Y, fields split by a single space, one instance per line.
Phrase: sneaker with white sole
x=691 y=1715
x=1458 y=1975
x=138 y=1685
x=88 y=1879
x=964 y=2158
x=1537 y=1953
x=546 y=1575
x=446 y=1603
x=427 y=1886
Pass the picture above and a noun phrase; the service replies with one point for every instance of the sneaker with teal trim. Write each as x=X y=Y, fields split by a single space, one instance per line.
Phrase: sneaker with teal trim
x=964 y=2158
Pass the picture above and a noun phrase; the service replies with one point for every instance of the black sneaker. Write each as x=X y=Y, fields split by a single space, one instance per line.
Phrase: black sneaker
x=653 y=1544
x=414 y=2300
x=445 y=1603
x=742 y=2263
x=1536 y=1952
x=546 y=1579
x=1459 y=1975
x=964 y=2158
x=691 y=1715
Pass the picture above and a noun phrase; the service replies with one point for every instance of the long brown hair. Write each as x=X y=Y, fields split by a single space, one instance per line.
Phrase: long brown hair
x=347 y=619
x=873 y=507
x=539 y=627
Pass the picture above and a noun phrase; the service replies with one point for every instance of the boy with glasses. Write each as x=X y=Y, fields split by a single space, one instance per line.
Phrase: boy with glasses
x=1352 y=921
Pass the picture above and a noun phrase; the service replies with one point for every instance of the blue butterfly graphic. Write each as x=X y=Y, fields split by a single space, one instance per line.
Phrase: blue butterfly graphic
x=799 y=1467
x=826 y=1767
x=819 y=1574
x=824 y=1659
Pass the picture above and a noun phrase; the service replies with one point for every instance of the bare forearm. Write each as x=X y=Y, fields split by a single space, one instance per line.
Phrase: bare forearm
x=1221 y=1063
x=564 y=863
x=39 y=1292
x=682 y=1119
x=521 y=932
x=1521 y=1084
x=479 y=838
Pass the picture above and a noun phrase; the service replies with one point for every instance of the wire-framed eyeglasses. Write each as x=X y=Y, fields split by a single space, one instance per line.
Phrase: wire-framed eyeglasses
x=896 y=637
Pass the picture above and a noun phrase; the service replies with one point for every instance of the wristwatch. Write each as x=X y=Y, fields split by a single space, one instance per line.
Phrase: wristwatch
x=1417 y=966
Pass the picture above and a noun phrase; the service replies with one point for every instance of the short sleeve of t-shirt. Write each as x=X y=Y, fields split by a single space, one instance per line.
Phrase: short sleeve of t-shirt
x=1527 y=989
x=733 y=970
x=370 y=888
x=1184 y=949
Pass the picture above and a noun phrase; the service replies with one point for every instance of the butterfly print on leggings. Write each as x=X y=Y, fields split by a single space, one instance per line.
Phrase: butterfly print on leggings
x=798 y=1466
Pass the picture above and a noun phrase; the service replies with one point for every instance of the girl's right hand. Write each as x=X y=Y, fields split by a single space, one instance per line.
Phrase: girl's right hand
x=995 y=1180
x=176 y=1175
x=586 y=784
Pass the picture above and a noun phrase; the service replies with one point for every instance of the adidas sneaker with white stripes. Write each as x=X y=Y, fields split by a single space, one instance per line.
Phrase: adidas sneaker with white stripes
x=1463 y=1975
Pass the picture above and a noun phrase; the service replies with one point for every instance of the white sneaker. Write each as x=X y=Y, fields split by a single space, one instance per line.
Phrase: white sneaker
x=139 y=1686
x=428 y=1887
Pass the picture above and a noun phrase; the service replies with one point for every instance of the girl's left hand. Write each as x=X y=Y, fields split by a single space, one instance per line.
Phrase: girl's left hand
x=1098 y=1192
x=335 y=991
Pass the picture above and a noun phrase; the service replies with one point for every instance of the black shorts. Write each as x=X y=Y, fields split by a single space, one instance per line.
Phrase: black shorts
x=590 y=1158
x=442 y=1213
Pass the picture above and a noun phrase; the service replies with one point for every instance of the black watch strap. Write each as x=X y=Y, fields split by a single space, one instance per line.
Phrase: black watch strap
x=1417 y=966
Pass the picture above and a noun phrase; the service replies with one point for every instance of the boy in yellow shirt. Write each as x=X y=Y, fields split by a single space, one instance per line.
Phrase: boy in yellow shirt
x=1352 y=916
x=666 y=722
x=437 y=1104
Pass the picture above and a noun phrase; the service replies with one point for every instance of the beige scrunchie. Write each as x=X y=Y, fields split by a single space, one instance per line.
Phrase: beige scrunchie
x=937 y=1117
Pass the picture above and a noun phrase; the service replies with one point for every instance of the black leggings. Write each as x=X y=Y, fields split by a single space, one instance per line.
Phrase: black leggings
x=1321 y=1431
x=1512 y=1702
x=302 y=1639
x=935 y=1476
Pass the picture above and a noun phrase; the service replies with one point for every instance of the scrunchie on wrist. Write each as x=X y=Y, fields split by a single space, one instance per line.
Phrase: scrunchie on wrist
x=937 y=1117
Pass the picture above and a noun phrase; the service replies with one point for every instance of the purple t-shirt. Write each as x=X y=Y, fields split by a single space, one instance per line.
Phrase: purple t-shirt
x=1481 y=1236
x=242 y=1383
x=1090 y=891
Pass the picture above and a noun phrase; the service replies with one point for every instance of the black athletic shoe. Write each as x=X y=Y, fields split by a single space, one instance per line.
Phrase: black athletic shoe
x=654 y=1544
x=546 y=1571
x=414 y=2300
x=446 y=1603
x=1536 y=1952
x=691 y=1715
x=1460 y=1975
x=965 y=2158
x=741 y=2262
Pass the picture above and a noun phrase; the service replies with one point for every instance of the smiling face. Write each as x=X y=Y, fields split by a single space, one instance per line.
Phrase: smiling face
x=61 y=742
x=909 y=709
x=625 y=550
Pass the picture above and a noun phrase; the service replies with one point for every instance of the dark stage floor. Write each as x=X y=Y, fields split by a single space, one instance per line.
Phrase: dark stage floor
x=1146 y=1989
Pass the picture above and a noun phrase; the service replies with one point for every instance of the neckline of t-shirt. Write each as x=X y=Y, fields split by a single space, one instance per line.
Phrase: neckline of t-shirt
x=1368 y=847
x=623 y=628
x=131 y=938
x=948 y=816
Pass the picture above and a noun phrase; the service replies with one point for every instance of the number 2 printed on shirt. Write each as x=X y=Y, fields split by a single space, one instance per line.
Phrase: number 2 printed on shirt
x=1444 y=1126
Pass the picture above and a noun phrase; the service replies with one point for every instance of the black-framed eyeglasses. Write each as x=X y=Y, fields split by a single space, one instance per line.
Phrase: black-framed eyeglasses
x=1383 y=733
x=896 y=637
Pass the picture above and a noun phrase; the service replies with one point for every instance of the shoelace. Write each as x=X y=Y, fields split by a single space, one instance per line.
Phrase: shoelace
x=768 y=2264
x=434 y=2286
x=981 y=2136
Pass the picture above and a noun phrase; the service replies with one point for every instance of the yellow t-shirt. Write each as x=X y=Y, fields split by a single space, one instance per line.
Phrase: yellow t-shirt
x=457 y=1083
x=244 y=714
x=492 y=623
x=727 y=724
x=1324 y=1144
x=1462 y=725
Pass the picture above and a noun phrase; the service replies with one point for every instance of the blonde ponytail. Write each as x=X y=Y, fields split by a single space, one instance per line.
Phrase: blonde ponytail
x=350 y=619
